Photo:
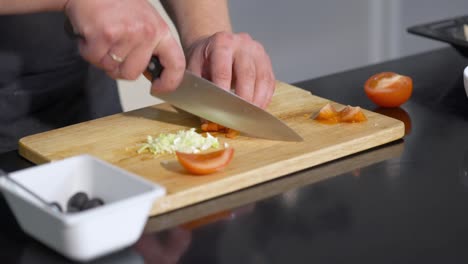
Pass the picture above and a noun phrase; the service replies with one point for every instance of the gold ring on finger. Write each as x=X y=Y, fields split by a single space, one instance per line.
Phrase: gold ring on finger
x=115 y=57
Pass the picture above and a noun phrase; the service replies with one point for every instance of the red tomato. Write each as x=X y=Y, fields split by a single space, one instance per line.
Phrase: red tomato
x=205 y=163
x=389 y=89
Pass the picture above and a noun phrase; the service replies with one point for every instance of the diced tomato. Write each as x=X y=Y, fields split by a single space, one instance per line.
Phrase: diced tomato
x=205 y=163
x=352 y=114
x=389 y=89
x=328 y=114
x=231 y=133
x=208 y=126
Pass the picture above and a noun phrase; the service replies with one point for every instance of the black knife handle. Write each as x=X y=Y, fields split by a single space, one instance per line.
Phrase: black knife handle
x=153 y=70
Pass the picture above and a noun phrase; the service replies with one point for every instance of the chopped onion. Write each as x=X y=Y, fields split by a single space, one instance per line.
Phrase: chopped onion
x=187 y=141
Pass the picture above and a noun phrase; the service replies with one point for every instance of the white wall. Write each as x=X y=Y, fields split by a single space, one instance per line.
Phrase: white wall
x=311 y=38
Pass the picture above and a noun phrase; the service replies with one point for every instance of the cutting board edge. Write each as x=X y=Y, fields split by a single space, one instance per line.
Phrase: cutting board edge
x=229 y=185
x=30 y=154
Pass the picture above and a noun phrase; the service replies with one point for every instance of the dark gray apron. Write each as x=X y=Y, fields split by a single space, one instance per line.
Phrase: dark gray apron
x=44 y=83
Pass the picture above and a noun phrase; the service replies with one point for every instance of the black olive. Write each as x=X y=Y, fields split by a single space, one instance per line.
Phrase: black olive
x=77 y=201
x=72 y=209
x=95 y=202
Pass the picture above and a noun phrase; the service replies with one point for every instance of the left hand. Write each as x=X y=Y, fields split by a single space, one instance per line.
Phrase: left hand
x=234 y=61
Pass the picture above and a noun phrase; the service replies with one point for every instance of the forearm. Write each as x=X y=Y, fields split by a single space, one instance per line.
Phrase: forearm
x=30 y=6
x=195 y=19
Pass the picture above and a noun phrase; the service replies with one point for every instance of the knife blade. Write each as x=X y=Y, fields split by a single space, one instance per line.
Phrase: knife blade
x=204 y=99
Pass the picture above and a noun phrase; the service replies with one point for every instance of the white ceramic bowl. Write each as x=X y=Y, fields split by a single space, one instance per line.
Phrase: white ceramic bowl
x=87 y=234
x=465 y=80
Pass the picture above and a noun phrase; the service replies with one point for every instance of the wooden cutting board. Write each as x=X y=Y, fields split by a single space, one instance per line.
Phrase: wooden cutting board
x=116 y=138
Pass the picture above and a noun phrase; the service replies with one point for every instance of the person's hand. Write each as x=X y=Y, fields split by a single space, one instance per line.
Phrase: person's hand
x=234 y=61
x=121 y=36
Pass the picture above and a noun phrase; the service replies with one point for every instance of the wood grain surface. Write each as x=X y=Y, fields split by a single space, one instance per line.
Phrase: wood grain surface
x=116 y=138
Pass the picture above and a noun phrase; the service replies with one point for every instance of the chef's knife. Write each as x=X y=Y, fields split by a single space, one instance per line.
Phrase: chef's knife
x=204 y=99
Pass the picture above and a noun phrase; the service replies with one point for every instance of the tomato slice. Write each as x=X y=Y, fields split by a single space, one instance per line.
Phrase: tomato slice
x=205 y=163
x=352 y=114
x=389 y=89
x=328 y=114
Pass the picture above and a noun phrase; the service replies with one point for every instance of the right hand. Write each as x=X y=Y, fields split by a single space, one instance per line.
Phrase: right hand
x=121 y=36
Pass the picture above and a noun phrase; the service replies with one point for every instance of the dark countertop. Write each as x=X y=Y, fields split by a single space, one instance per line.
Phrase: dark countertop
x=405 y=202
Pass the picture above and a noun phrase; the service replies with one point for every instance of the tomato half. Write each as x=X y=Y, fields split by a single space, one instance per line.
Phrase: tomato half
x=205 y=163
x=389 y=89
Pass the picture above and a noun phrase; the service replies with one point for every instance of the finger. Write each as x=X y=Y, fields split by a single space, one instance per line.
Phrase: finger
x=172 y=59
x=220 y=66
x=115 y=74
x=195 y=64
x=245 y=74
x=264 y=82
x=195 y=59
x=135 y=63
x=116 y=55
x=92 y=50
x=137 y=48
x=95 y=47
